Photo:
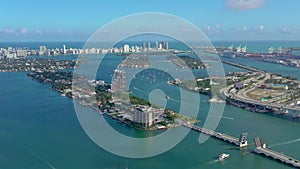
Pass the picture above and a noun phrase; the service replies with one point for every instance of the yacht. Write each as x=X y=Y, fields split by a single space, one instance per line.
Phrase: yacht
x=223 y=156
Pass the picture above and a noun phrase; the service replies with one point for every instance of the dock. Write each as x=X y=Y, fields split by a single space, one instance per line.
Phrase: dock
x=261 y=148
x=240 y=142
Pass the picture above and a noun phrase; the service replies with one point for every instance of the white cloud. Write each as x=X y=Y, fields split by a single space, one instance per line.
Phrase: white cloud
x=8 y=30
x=285 y=30
x=23 y=30
x=245 y=29
x=261 y=27
x=213 y=29
x=208 y=28
x=59 y=31
x=245 y=4
x=39 y=32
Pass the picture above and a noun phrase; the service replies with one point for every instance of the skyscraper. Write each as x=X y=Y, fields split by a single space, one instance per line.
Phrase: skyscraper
x=163 y=43
x=144 y=46
x=149 y=46
x=42 y=50
x=119 y=81
x=126 y=48
x=64 y=51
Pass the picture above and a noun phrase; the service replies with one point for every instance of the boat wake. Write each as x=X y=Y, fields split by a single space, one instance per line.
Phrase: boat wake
x=284 y=143
x=214 y=161
x=40 y=158
x=225 y=117
x=140 y=90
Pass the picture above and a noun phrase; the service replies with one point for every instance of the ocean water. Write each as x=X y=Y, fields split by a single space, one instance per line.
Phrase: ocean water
x=39 y=129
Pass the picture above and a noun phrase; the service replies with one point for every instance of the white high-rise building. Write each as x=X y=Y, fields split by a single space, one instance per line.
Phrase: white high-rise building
x=160 y=46
x=64 y=50
x=21 y=53
x=144 y=116
x=126 y=48
x=43 y=50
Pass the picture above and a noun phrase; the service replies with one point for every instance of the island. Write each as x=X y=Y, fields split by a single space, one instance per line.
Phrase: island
x=136 y=112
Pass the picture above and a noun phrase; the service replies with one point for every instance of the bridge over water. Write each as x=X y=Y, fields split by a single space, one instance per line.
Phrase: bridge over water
x=240 y=142
x=261 y=148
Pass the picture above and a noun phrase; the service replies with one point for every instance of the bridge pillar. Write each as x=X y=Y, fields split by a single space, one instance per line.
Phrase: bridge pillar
x=257 y=142
x=243 y=140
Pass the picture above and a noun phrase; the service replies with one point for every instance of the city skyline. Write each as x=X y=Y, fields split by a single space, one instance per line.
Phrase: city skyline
x=222 y=20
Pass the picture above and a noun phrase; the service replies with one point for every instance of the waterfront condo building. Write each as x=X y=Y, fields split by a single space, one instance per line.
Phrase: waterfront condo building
x=144 y=116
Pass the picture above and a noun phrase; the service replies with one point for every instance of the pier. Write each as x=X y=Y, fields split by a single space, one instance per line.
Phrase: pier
x=261 y=148
x=241 y=142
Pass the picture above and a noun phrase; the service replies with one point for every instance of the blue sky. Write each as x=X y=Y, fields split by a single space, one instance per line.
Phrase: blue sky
x=219 y=19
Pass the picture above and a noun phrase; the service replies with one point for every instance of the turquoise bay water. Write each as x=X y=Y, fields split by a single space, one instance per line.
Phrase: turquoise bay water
x=39 y=129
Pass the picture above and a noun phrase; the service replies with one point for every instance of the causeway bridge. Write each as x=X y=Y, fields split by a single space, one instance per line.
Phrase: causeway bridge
x=261 y=148
x=241 y=142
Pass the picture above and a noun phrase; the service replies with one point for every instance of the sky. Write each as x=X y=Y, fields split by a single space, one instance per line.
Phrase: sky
x=239 y=20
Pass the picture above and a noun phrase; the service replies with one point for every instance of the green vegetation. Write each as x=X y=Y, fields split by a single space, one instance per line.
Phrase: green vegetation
x=192 y=63
x=139 y=101
x=103 y=97
x=183 y=61
x=205 y=83
x=22 y=64
x=171 y=115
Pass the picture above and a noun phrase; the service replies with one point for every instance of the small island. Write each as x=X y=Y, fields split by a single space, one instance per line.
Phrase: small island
x=134 y=111
x=187 y=62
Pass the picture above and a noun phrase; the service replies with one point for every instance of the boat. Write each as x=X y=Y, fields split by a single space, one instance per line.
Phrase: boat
x=223 y=156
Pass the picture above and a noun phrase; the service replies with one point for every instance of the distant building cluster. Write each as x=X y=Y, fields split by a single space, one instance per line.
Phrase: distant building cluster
x=162 y=46
x=19 y=52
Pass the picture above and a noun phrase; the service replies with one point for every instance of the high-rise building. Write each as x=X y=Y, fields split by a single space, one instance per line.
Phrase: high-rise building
x=144 y=116
x=11 y=55
x=144 y=46
x=119 y=81
x=43 y=50
x=126 y=48
x=148 y=46
x=163 y=43
x=167 y=45
x=64 y=50
x=156 y=45
x=160 y=46
x=10 y=49
x=21 y=53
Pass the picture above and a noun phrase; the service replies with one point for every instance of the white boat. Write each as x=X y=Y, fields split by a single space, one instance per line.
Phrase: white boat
x=223 y=156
